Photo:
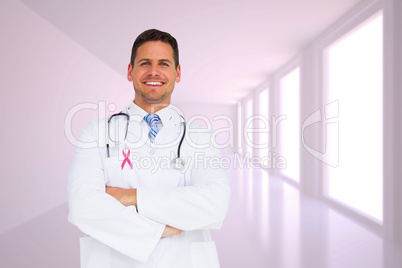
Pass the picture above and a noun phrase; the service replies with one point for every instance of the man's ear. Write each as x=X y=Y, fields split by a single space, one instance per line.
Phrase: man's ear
x=130 y=73
x=178 y=71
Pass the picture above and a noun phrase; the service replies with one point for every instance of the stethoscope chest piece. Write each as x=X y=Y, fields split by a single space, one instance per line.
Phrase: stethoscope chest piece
x=178 y=163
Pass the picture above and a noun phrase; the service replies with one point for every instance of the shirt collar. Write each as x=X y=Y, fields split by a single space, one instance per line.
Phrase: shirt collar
x=136 y=113
x=168 y=115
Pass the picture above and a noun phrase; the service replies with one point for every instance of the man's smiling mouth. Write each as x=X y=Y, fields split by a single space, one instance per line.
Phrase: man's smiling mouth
x=152 y=83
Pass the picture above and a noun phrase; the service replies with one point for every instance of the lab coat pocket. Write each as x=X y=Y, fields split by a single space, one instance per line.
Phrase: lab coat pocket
x=204 y=255
x=93 y=253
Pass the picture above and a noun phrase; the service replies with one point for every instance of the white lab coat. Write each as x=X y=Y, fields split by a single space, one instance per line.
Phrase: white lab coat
x=193 y=200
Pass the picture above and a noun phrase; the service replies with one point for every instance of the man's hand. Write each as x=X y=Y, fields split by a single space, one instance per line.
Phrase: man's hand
x=127 y=197
x=170 y=231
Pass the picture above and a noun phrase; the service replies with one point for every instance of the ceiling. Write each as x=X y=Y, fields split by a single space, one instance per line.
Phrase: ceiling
x=227 y=47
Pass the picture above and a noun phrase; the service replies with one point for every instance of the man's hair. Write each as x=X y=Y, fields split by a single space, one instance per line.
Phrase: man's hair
x=155 y=35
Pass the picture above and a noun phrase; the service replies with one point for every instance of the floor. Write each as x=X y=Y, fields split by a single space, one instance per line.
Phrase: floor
x=269 y=225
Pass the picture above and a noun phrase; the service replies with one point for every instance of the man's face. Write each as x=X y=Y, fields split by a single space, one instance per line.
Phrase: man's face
x=154 y=74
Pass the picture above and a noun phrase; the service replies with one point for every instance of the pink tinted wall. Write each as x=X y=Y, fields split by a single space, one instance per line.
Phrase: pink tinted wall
x=44 y=75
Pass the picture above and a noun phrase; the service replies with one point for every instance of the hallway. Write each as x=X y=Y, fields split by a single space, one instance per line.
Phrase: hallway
x=271 y=225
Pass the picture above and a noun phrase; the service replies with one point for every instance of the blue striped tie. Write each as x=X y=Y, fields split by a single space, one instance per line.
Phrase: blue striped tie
x=152 y=120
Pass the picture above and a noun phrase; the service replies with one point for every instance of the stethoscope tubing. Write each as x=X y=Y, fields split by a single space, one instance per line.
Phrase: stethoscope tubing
x=182 y=137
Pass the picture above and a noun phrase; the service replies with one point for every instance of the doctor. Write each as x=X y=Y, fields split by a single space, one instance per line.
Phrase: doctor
x=138 y=215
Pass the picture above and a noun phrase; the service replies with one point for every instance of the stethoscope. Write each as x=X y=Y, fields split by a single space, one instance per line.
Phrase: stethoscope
x=177 y=162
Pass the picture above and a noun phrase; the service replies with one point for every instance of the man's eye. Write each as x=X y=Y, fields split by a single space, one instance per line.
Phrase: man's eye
x=164 y=64
x=144 y=63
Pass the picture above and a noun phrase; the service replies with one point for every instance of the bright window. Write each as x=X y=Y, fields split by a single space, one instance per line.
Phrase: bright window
x=240 y=127
x=289 y=137
x=263 y=124
x=249 y=139
x=354 y=67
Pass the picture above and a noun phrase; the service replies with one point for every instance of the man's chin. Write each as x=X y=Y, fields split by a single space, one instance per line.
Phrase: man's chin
x=156 y=99
x=152 y=98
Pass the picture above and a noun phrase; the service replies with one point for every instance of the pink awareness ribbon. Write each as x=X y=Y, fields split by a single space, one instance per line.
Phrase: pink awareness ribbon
x=126 y=159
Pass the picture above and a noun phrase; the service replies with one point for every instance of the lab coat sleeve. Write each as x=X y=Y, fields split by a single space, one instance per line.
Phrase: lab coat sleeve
x=101 y=216
x=202 y=205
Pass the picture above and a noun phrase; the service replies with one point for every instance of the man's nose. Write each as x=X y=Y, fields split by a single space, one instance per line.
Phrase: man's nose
x=153 y=70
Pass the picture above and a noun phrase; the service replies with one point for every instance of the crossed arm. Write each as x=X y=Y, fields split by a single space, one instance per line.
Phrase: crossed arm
x=128 y=197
